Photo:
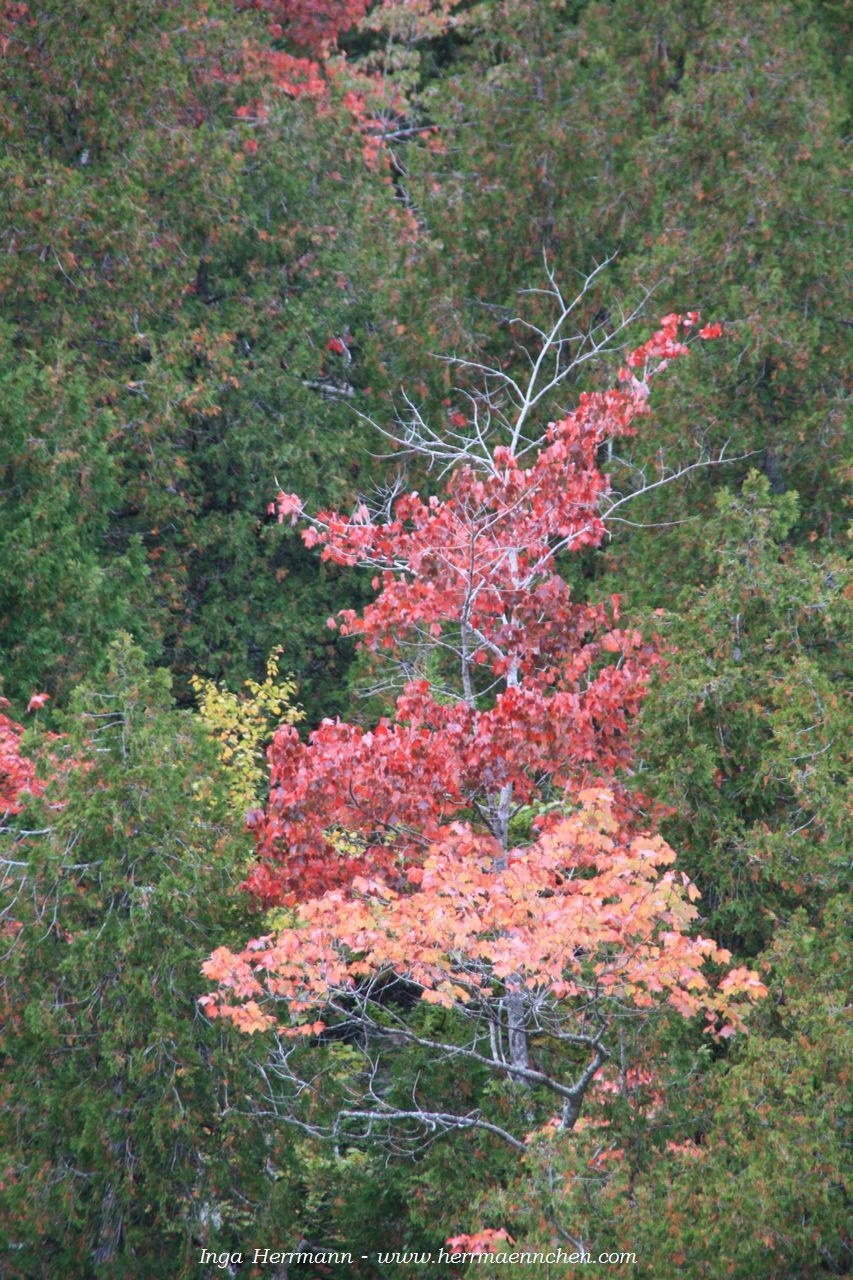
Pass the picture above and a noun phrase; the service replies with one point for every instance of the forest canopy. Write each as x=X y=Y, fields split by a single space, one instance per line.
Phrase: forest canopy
x=424 y=599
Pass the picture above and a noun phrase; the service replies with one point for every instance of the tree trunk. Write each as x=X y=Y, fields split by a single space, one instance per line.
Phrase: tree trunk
x=519 y=1057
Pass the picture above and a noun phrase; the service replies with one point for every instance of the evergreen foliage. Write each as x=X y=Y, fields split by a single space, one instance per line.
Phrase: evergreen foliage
x=232 y=235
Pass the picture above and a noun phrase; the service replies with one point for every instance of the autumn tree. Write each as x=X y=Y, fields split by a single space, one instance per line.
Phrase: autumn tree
x=229 y=231
x=398 y=847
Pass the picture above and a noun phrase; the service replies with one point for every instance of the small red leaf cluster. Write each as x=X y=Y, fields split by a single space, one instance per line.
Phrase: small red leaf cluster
x=484 y=1241
x=315 y=25
x=305 y=61
x=19 y=781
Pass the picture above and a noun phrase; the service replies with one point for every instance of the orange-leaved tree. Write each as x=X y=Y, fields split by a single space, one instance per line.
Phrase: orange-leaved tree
x=396 y=849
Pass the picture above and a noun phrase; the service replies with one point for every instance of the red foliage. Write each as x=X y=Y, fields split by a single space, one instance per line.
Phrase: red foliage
x=12 y=17
x=18 y=780
x=305 y=59
x=482 y=1242
x=394 y=844
x=533 y=692
x=583 y=919
x=314 y=25
x=21 y=778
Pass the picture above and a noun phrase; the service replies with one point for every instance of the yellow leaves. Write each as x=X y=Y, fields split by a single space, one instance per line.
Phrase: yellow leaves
x=243 y=724
x=349 y=844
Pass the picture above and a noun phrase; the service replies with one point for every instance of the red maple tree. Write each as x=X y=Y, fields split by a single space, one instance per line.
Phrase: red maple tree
x=512 y=691
x=394 y=845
